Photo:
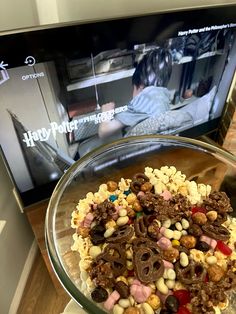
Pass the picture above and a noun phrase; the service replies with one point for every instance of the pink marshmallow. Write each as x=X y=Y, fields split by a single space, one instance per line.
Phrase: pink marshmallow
x=164 y=243
x=162 y=230
x=115 y=215
x=88 y=220
x=110 y=302
x=166 y=195
x=139 y=291
x=140 y=193
x=168 y=264
x=210 y=241
x=136 y=282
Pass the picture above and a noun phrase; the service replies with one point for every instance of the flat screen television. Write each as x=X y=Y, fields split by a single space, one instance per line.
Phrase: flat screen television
x=65 y=90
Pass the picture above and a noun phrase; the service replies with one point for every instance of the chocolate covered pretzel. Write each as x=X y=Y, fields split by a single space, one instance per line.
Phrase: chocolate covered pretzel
x=216 y=231
x=115 y=255
x=193 y=273
x=123 y=234
x=148 y=265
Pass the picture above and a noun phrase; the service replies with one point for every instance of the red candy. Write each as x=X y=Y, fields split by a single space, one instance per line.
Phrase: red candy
x=206 y=279
x=183 y=296
x=223 y=248
x=183 y=310
x=198 y=210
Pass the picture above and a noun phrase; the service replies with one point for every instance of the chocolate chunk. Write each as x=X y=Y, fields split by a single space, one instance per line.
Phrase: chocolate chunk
x=99 y=294
x=97 y=234
x=202 y=246
x=195 y=230
x=122 y=289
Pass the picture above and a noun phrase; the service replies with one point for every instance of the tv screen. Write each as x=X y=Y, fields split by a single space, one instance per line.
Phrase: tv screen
x=66 y=90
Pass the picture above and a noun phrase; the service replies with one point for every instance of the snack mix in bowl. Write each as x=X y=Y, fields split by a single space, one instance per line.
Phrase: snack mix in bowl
x=156 y=242
x=145 y=225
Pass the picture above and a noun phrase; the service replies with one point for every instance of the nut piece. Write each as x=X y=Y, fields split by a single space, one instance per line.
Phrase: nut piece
x=199 y=218
x=130 y=212
x=146 y=187
x=212 y=215
x=171 y=254
x=131 y=310
x=112 y=186
x=215 y=273
x=154 y=301
x=83 y=231
x=131 y=198
x=136 y=206
x=188 y=241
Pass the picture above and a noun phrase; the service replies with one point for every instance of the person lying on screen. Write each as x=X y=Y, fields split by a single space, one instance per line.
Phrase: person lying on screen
x=150 y=95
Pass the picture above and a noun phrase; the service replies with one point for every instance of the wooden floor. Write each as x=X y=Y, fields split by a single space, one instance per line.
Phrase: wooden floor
x=40 y=296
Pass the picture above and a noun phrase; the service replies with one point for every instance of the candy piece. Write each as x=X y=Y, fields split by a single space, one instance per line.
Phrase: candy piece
x=139 y=214
x=172 y=303
x=97 y=234
x=122 y=289
x=109 y=304
x=224 y=248
x=115 y=214
x=208 y=240
x=127 y=192
x=167 y=264
x=162 y=230
x=183 y=310
x=198 y=210
x=203 y=246
x=183 y=296
x=164 y=243
x=141 y=193
x=88 y=220
x=112 y=198
x=99 y=294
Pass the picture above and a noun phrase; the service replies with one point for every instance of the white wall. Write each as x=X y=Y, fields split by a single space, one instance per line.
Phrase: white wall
x=15 y=14
x=15 y=241
x=34 y=13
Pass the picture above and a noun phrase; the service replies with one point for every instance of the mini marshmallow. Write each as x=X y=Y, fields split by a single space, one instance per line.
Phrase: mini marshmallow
x=110 y=302
x=210 y=241
x=164 y=243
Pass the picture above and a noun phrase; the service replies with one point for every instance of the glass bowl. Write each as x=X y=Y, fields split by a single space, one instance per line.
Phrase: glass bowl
x=200 y=161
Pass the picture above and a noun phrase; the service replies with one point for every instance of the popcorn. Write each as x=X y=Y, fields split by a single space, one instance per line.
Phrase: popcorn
x=124 y=185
